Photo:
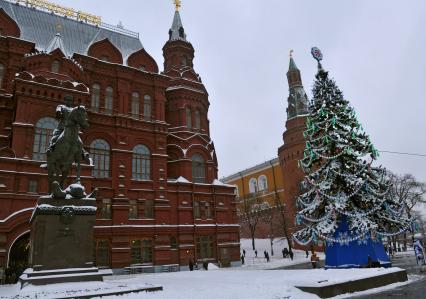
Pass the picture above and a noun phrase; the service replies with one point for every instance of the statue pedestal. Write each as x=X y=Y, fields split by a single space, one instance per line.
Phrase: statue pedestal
x=62 y=242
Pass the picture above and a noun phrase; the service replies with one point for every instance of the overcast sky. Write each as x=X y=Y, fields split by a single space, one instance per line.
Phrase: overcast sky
x=375 y=50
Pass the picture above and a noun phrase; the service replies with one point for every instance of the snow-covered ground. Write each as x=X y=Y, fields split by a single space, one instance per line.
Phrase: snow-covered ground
x=218 y=283
x=250 y=281
x=276 y=261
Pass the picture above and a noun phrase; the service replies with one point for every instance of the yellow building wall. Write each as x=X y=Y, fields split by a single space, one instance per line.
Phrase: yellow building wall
x=242 y=179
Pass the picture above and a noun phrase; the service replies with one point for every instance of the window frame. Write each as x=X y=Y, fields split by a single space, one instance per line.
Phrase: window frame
x=198 y=166
x=106 y=209
x=205 y=247
x=109 y=100
x=96 y=97
x=101 y=159
x=260 y=185
x=141 y=163
x=135 y=104
x=147 y=107
x=43 y=132
x=106 y=249
x=148 y=209
x=253 y=182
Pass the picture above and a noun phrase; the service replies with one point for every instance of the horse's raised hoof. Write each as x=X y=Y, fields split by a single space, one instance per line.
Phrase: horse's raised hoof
x=57 y=192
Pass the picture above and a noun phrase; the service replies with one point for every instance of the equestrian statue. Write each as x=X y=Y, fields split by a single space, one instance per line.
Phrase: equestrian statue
x=66 y=148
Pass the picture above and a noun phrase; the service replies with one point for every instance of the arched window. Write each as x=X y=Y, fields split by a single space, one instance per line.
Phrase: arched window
x=188 y=118
x=198 y=169
x=197 y=119
x=147 y=107
x=96 y=91
x=99 y=152
x=263 y=183
x=43 y=133
x=135 y=104
x=109 y=94
x=1 y=75
x=141 y=163
x=55 y=66
x=253 y=185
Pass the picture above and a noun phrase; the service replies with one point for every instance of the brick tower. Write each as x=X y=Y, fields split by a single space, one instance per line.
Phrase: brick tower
x=294 y=142
x=186 y=111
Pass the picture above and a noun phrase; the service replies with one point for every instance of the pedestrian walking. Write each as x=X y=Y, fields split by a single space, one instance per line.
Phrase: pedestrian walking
x=314 y=260
x=255 y=253
x=242 y=259
x=267 y=256
x=307 y=253
x=244 y=252
x=291 y=254
x=283 y=253
x=265 y=253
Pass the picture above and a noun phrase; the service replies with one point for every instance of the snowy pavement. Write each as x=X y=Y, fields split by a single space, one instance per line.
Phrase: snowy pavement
x=250 y=281
x=215 y=283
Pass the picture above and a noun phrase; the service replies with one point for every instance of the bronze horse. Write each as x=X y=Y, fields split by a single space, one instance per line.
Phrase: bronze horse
x=68 y=148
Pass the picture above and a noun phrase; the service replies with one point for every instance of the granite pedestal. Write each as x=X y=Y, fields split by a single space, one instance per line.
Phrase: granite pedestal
x=62 y=242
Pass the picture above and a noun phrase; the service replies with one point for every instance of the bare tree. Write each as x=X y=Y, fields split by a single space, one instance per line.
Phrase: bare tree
x=409 y=191
x=250 y=214
x=280 y=206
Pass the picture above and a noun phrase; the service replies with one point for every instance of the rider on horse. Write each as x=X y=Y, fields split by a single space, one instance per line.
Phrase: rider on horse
x=62 y=113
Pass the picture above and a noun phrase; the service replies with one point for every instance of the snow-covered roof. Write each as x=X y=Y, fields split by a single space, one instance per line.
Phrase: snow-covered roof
x=40 y=27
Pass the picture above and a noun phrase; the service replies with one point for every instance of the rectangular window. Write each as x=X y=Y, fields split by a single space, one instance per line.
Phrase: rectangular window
x=141 y=251
x=149 y=208
x=105 y=209
x=188 y=118
x=208 y=210
x=32 y=186
x=135 y=251
x=205 y=247
x=147 y=107
x=196 y=209
x=133 y=210
x=101 y=253
x=147 y=251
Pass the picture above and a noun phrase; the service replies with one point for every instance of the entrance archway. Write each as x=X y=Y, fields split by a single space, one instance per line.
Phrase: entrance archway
x=18 y=258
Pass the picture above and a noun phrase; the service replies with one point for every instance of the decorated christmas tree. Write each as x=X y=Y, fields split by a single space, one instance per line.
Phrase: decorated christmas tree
x=345 y=199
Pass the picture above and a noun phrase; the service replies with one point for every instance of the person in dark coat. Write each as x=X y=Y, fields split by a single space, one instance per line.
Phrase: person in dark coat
x=291 y=254
x=267 y=256
x=307 y=253
x=244 y=252
x=242 y=259
x=285 y=252
x=191 y=265
x=255 y=253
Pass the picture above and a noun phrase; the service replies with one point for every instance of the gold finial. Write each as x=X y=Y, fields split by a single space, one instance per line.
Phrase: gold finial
x=291 y=53
x=58 y=28
x=178 y=4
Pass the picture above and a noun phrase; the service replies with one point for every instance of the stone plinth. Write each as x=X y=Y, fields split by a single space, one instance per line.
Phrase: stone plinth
x=62 y=241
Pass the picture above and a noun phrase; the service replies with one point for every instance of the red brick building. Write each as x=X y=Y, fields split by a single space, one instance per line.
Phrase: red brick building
x=159 y=201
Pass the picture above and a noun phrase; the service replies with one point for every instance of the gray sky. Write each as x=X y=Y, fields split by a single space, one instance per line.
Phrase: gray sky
x=375 y=50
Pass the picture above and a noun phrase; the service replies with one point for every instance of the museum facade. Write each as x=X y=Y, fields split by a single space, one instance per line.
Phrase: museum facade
x=154 y=164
